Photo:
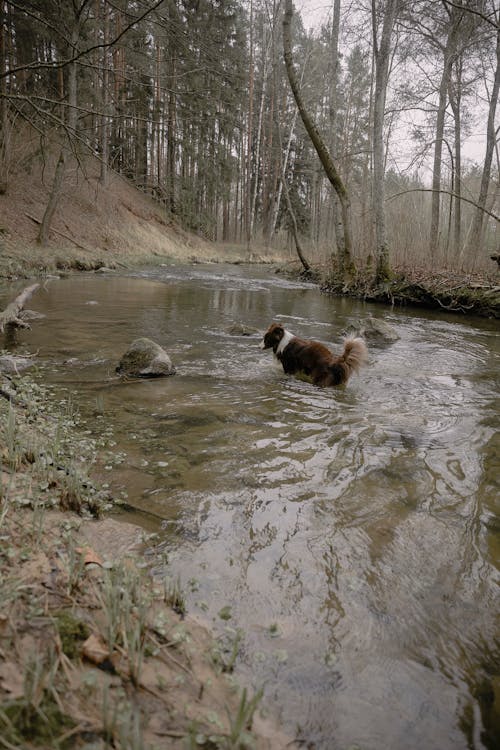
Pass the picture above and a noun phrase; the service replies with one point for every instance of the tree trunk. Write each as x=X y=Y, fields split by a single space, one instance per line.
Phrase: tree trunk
x=72 y=119
x=253 y=202
x=333 y=104
x=105 y=99
x=248 y=186
x=382 y=53
x=284 y=166
x=455 y=96
x=448 y=60
x=4 y=121
x=295 y=231
x=10 y=316
x=475 y=241
x=156 y=157
x=345 y=249
x=53 y=202
x=170 y=176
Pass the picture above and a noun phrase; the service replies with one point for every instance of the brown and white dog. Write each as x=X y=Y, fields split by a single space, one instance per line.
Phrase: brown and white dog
x=313 y=360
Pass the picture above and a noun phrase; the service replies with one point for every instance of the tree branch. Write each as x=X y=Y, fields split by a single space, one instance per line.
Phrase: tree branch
x=444 y=192
x=467 y=9
x=63 y=63
x=10 y=316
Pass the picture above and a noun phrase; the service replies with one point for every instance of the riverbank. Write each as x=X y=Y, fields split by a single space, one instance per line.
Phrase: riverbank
x=96 y=650
x=447 y=291
x=118 y=227
x=471 y=294
x=97 y=226
x=451 y=292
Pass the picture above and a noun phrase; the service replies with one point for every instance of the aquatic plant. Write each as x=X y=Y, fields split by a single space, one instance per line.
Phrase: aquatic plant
x=241 y=722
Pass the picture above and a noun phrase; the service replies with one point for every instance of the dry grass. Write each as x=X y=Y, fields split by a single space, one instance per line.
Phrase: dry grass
x=111 y=225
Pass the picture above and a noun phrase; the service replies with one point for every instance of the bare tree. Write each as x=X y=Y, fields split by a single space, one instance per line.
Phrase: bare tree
x=104 y=135
x=248 y=182
x=382 y=55
x=77 y=11
x=333 y=108
x=475 y=240
x=449 y=51
x=345 y=239
x=455 y=98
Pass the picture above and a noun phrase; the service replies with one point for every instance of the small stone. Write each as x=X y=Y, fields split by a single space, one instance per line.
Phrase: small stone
x=240 y=329
x=373 y=329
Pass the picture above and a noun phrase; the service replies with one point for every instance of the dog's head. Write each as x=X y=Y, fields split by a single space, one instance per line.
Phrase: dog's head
x=273 y=336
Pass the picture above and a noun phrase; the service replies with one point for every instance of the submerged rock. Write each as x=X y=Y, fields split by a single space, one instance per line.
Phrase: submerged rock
x=373 y=329
x=145 y=359
x=13 y=365
x=240 y=329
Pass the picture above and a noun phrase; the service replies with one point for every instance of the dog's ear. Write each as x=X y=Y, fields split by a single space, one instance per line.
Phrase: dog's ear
x=278 y=331
x=263 y=344
x=271 y=336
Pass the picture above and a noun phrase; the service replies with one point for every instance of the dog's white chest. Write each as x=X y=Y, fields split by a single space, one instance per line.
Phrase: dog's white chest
x=287 y=337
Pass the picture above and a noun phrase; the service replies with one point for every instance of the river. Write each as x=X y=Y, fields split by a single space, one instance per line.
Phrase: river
x=352 y=534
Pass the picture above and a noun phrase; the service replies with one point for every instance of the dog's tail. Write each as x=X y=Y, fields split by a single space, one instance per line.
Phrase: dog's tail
x=352 y=358
x=355 y=354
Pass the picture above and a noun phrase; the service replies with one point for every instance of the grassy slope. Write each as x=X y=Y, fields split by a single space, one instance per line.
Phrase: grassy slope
x=93 y=225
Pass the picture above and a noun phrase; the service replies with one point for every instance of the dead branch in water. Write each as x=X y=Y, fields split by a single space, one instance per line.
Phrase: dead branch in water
x=10 y=316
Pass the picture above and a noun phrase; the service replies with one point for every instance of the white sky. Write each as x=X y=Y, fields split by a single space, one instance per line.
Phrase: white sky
x=314 y=12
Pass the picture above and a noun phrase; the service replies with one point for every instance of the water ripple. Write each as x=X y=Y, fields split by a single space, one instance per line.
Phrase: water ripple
x=360 y=521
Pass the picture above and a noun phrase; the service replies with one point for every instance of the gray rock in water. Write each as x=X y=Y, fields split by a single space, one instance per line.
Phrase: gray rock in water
x=145 y=359
x=373 y=329
x=240 y=329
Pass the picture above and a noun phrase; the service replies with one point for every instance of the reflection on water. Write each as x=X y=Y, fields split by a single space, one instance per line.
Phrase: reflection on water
x=353 y=532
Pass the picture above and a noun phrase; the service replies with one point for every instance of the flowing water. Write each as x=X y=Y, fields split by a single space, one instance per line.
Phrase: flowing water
x=350 y=533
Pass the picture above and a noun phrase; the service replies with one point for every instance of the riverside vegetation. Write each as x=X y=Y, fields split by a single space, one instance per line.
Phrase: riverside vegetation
x=95 y=651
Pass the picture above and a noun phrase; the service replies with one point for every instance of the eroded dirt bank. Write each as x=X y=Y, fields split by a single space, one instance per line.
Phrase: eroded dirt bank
x=470 y=294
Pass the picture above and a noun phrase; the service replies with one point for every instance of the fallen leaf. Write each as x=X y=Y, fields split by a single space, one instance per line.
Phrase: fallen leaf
x=11 y=679
x=89 y=556
x=95 y=649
